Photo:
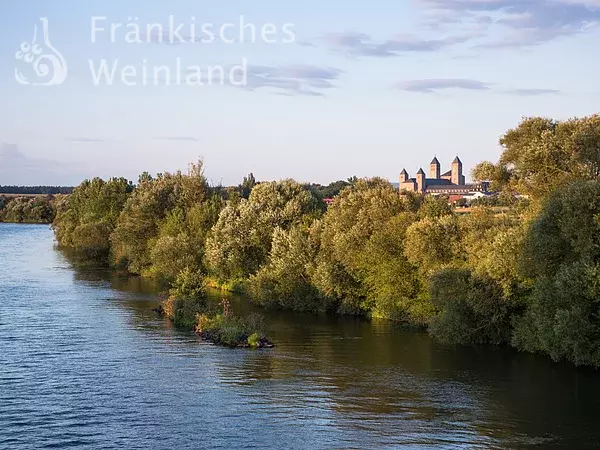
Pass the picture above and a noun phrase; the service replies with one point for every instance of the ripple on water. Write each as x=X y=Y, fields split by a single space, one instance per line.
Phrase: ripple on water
x=85 y=365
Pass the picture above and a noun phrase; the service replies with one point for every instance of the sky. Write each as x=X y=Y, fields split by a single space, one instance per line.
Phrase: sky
x=316 y=91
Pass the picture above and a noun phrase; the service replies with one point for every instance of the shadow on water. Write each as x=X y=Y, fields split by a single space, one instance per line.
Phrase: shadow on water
x=395 y=386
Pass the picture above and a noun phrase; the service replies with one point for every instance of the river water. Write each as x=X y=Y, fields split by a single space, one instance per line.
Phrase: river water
x=85 y=363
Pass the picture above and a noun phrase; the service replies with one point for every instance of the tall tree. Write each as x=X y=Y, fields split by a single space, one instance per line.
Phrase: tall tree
x=541 y=155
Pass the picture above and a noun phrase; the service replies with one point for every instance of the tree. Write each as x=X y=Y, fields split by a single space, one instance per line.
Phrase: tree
x=247 y=185
x=434 y=243
x=139 y=225
x=541 y=155
x=330 y=191
x=27 y=209
x=85 y=219
x=284 y=281
x=359 y=211
x=562 y=256
x=240 y=242
x=498 y=175
x=393 y=288
x=472 y=310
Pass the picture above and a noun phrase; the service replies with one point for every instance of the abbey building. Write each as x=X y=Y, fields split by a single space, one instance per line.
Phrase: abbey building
x=451 y=182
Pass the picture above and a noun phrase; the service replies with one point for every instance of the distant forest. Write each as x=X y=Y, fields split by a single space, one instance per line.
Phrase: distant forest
x=30 y=190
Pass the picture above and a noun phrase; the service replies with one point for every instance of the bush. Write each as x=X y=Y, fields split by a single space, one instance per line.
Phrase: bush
x=92 y=239
x=86 y=219
x=284 y=281
x=186 y=299
x=562 y=319
x=472 y=309
x=562 y=255
x=26 y=209
x=183 y=311
x=227 y=329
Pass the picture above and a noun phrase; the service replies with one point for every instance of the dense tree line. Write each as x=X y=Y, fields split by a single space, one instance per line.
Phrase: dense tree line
x=528 y=276
x=16 y=209
x=332 y=189
x=35 y=190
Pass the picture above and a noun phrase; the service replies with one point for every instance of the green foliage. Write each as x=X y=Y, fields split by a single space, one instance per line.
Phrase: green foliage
x=247 y=186
x=158 y=215
x=225 y=328
x=528 y=274
x=254 y=340
x=563 y=316
x=542 y=154
x=473 y=309
x=181 y=238
x=562 y=255
x=476 y=287
x=359 y=211
x=434 y=243
x=85 y=219
x=284 y=281
x=240 y=242
x=434 y=207
x=187 y=298
x=330 y=191
x=27 y=209
x=35 y=190
x=498 y=175
x=189 y=284
x=566 y=230
x=393 y=288
x=492 y=245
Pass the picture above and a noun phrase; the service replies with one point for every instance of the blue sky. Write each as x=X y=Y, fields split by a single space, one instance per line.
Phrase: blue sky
x=366 y=88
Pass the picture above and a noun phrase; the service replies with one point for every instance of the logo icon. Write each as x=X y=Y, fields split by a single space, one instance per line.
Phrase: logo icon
x=47 y=64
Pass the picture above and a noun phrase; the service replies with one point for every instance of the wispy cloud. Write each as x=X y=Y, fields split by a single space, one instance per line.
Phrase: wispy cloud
x=355 y=44
x=532 y=92
x=84 y=140
x=176 y=138
x=526 y=22
x=293 y=79
x=431 y=86
x=290 y=80
x=434 y=85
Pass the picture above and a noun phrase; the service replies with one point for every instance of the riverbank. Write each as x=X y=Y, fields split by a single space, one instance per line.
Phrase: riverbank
x=468 y=279
x=526 y=278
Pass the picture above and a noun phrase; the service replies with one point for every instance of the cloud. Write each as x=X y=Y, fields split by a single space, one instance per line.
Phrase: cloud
x=433 y=85
x=525 y=22
x=293 y=79
x=84 y=139
x=355 y=44
x=430 y=86
x=532 y=92
x=176 y=138
x=16 y=168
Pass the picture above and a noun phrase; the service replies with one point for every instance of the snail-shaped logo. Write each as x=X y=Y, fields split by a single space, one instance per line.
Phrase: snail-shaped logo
x=49 y=66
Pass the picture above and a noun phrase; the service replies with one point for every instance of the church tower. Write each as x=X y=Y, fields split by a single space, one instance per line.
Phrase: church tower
x=421 y=182
x=403 y=176
x=435 y=169
x=457 y=172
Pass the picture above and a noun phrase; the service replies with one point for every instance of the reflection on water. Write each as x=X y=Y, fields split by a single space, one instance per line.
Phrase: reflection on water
x=86 y=363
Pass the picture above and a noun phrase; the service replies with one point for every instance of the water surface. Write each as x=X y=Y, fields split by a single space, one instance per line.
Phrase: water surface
x=85 y=363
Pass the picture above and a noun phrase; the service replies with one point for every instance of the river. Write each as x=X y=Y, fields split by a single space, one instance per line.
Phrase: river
x=85 y=363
